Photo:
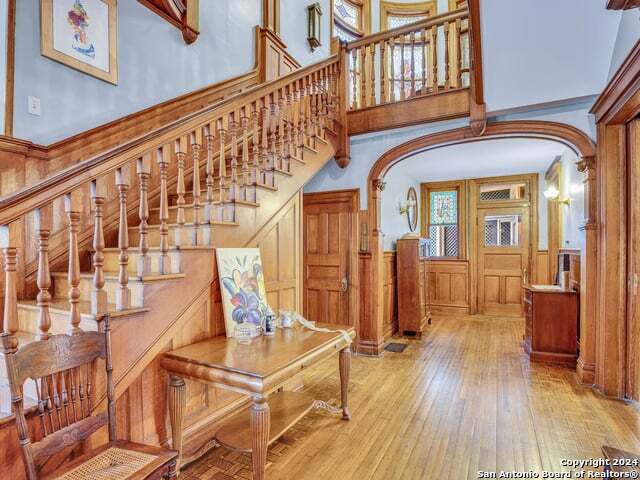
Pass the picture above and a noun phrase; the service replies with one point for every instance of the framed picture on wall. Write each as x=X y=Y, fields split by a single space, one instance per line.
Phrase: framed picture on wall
x=81 y=34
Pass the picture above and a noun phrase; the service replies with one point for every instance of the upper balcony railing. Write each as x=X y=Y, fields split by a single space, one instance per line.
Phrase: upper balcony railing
x=423 y=58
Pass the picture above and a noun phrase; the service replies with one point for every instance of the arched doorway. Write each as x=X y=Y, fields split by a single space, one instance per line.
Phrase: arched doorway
x=371 y=262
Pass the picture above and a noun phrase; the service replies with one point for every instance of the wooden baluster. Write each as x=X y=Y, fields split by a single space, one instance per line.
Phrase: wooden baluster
x=255 y=140
x=98 y=293
x=412 y=40
x=447 y=66
x=10 y=317
x=123 y=294
x=363 y=78
x=303 y=114
x=402 y=76
x=289 y=127
x=273 y=126
x=383 y=73
x=354 y=79
x=458 y=52
x=392 y=58
x=111 y=402
x=43 y=279
x=196 y=150
x=297 y=106
x=282 y=102
x=244 y=123
x=222 y=162
x=180 y=148
x=209 y=210
x=372 y=88
x=162 y=157
x=309 y=114
x=264 y=144
x=423 y=52
x=143 y=169
x=73 y=216
x=433 y=40
x=233 y=127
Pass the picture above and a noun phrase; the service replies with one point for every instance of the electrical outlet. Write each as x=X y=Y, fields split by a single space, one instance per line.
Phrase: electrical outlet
x=33 y=106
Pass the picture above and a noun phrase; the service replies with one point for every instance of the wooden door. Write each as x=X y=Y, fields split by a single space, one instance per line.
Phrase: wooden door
x=330 y=256
x=503 y=259
x=633 y=259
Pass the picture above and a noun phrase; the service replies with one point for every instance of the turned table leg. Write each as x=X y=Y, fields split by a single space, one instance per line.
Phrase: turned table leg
x=177 y=405
x=260 y=424
x=345 y=367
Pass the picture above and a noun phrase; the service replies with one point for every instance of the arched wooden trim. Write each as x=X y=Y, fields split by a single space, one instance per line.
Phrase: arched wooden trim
x=568 y=135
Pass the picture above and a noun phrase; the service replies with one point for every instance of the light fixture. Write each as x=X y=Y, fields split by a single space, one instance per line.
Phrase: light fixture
x=410 y=208
x=553 y=195
x=314 y=17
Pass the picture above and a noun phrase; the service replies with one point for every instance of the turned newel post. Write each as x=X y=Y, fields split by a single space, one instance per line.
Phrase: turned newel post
x=123 y=294
x=196 y=149
x=143 y=169
x=180 y=147
x=162 y=157
x=98 y=293
x=43 y=279
x=72 y=210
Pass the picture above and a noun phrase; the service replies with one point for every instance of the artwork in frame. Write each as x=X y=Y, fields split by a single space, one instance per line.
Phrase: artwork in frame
x=81 y=34
x=244 y=297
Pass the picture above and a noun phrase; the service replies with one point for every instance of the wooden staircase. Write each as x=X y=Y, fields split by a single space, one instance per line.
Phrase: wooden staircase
x=132 y=233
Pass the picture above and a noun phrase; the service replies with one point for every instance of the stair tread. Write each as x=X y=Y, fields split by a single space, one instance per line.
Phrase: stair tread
x=61 y=305
x=222 y=223
x=172 y=249
x=216 y=202
x=110 y=275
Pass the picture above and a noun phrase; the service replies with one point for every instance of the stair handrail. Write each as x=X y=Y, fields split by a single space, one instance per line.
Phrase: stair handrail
x=29 y=198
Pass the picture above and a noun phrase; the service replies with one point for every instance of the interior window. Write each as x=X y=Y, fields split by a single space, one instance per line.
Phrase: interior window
x=503 y=191
x=502 y=230
x=443 y=223
x=348 y=22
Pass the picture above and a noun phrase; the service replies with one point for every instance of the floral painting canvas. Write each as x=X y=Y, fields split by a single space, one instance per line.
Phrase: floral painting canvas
x=81 y=34
x=244 y=298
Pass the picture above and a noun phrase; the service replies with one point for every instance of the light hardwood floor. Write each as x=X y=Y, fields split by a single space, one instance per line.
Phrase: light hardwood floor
x=462 y=399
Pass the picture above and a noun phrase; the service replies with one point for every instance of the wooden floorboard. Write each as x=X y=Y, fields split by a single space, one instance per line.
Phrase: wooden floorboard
x=463 y=398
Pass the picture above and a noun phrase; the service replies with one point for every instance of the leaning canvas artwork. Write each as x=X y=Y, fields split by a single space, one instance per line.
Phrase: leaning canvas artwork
x=81 y=34
x=244 y=297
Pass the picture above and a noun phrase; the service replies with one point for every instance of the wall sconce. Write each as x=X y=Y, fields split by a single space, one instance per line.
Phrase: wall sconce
x=314 y=17
x=553 y=195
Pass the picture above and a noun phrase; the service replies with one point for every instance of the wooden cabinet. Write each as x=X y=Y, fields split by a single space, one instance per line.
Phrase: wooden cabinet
x=551 y=324
x=413 y=284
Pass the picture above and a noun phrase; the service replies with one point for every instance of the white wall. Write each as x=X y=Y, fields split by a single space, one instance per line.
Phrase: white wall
x=573 y=214
x=628 y=35
x=541 y=51
x=293 y=30
x=393 y=224
x=155 y=64
x=3 y=61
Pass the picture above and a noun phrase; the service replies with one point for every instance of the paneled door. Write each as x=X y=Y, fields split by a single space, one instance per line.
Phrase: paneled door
x=503 y=259
x=330 y=256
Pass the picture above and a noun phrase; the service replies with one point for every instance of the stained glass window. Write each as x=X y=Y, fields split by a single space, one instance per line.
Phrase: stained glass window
x=443 y=223
x=395 y=21
x=444 y=207
x=347 y=12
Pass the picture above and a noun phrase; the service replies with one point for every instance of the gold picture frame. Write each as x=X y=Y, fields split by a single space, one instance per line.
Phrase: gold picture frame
x=82 y=34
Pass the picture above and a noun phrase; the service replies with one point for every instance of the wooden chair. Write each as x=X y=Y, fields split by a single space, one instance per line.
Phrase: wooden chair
x=63 y=368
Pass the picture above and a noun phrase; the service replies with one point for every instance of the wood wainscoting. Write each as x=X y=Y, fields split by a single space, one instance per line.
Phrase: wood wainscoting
x=541 y=276
x=448 y=284
x=390 y=316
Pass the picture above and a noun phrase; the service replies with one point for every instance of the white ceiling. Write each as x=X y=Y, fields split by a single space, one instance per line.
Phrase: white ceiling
x=487 y=158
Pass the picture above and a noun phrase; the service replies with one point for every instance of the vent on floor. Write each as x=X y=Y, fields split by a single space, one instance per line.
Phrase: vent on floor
x=395 y=347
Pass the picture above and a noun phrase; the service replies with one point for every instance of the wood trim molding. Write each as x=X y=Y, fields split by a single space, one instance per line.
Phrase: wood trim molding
x=182 y=14
x=622 y=4
x=620 y=100
x=477 y=106
x=271 y=15
x=403 y=9
x=10 y=66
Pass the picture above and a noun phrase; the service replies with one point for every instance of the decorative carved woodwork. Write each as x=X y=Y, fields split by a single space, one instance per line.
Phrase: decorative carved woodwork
x=182 y=14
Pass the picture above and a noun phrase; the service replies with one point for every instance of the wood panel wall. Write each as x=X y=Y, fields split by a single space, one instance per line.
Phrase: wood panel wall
x=448 y=281
x=390 y=279
x=542 y=275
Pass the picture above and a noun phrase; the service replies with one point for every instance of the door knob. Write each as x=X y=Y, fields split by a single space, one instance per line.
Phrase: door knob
x=344 y=284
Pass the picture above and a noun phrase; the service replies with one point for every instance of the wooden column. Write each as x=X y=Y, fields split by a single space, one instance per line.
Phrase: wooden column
x=177 y=406
x=123 y=294
x=98 y=293
x=162 y=157
x=260 y=425
x=72 y=209
x=588 y=274
x=143 y=169
x=612 y=263
x=43 y=279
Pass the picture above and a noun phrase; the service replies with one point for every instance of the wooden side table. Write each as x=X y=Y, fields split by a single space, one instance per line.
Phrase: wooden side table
x=256 y=368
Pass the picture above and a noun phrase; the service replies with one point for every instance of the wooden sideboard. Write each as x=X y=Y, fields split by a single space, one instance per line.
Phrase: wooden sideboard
x=551 y=324
x=413 y=285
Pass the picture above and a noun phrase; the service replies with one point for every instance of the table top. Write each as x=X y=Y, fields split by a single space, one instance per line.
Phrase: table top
x=549 y=289
x=261 y=356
